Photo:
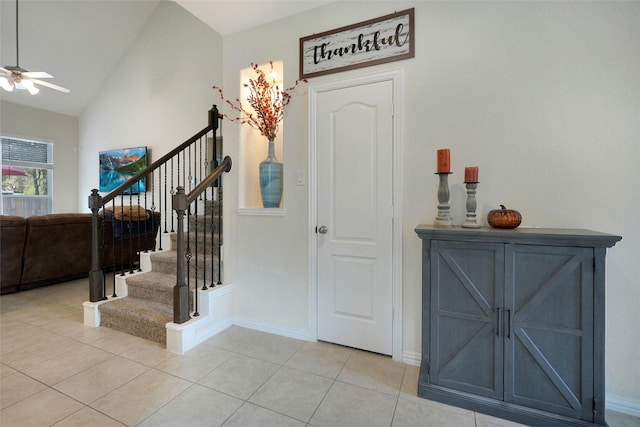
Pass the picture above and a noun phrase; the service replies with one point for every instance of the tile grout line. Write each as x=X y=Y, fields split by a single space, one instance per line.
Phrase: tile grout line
x=395 y=407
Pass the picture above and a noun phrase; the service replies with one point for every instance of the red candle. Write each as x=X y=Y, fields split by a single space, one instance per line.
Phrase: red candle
x=471 y=174
x=444 y=164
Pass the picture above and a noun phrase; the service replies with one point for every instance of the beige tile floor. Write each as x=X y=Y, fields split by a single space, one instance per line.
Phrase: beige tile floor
x=54 y=371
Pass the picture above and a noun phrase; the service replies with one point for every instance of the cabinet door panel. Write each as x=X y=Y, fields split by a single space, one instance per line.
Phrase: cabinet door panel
x=467 y=287
x=549 y=303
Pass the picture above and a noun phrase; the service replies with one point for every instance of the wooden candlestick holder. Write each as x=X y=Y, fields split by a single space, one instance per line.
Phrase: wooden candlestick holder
x=471 y=221
x=444 y=216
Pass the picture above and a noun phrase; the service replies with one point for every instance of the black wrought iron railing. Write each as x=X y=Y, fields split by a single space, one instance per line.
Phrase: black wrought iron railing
x=186 y=182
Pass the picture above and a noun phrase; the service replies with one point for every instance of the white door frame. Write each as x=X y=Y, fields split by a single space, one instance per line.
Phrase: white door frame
x=396 y=76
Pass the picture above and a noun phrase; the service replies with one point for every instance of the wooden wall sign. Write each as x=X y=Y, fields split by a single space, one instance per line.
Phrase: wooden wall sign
x=376 y=41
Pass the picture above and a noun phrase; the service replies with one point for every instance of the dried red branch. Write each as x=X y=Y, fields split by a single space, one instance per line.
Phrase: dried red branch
x=266 y=99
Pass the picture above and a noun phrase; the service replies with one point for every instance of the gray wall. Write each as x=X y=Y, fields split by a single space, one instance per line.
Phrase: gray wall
x=62 y=130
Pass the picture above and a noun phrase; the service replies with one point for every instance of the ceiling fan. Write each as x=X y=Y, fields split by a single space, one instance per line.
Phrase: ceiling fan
x=17 y=77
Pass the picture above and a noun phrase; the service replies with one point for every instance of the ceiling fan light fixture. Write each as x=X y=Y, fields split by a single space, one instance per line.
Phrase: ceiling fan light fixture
x=17 y=77
x=6 y=84
x=26 y=83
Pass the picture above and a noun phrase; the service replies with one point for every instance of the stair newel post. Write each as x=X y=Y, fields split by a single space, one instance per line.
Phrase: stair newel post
x=214 y=115
x=96 y=278
x=180 y=290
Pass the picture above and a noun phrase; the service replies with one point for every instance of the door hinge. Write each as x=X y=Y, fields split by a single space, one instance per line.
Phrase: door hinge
x=595 y=411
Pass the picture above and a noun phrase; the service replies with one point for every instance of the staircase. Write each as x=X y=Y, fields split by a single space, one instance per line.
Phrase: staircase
x=179 y=309
x=148 y=304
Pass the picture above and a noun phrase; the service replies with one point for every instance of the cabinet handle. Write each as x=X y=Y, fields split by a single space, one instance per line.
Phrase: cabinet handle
x=498 y=322
x=509 y=323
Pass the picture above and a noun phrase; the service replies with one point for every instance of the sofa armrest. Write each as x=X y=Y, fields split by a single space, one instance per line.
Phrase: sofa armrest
x=12 y=235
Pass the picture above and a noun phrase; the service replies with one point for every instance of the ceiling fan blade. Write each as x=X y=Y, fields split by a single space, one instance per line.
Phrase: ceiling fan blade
x=37 y=75
x=5 y=71
x=51 y=86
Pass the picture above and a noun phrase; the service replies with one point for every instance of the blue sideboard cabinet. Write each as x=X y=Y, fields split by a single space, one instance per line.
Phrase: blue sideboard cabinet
x=513 y=322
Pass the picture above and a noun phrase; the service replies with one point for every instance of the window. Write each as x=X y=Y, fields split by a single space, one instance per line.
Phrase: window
x=27 y=177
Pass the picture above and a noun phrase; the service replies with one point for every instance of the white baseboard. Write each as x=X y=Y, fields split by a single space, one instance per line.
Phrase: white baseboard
x=299 y=335
x=411 y=358
x=620 y=404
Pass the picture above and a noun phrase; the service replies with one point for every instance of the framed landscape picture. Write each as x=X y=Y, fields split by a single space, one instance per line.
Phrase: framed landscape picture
x=117 y=166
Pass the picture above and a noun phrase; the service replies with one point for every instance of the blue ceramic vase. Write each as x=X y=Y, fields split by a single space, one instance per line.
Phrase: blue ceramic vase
x=271 y=179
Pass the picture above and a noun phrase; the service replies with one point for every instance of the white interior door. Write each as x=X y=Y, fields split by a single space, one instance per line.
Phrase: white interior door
x=354 y=154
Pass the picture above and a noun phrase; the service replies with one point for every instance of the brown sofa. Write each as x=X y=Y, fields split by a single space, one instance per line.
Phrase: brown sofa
x=46 y=249
x=57 y=248
x=13 y=230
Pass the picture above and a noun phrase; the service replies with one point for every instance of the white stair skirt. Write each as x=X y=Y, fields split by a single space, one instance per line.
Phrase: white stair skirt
x=216 y=315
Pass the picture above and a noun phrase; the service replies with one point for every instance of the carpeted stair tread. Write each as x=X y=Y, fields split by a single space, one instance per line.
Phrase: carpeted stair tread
x=165 y=262
x=138 y=317
x=209 y=207
x=163 y=255
x=151 y=279
x=201 y=241
x=153 y=286
x=205 y=218
x=168 y=256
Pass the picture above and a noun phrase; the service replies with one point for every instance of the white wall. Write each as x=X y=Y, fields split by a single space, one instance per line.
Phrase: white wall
x=158 y=95
x=543 y=96
x=62 y=131
x=267 y=255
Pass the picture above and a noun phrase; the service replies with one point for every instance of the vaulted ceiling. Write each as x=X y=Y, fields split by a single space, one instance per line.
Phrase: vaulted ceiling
x=80 y=42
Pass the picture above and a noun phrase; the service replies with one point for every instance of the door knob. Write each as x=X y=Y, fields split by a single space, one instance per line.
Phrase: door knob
x=323 y=229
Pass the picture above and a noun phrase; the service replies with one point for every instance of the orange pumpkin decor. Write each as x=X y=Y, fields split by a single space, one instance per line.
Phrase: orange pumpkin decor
x=504 y=218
